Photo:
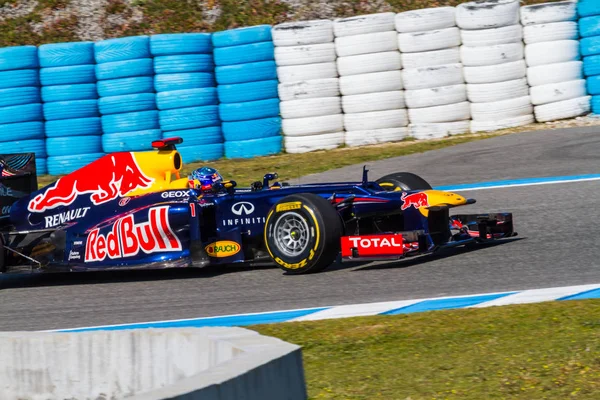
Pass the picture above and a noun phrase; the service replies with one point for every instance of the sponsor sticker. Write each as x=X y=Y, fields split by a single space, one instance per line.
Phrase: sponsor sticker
x=67 y=216
x=223 y=248
x=175 y=194
x=372 y=245
x=74 y=255
x=416 y=200
x=293 y=205
x=242 y=208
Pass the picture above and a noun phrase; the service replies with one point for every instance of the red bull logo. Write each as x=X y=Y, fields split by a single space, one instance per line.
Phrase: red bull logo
x=105 y=179
x=415 y=200
x=127 y=238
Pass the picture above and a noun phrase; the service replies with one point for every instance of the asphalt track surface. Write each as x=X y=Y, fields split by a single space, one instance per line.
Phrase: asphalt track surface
x=557 y=246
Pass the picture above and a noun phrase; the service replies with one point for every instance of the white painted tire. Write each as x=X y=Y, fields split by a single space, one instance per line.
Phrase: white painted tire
x=489 y=92
x=380 y=101
x=416 y=42
x=366 y=44
x=309 y=89
x=371 y=83
x=491 y=55
x=555 y=73
x=304 y=144
x=295 y=73
x=310 y=107
x=563 y=109
x=549 y=12
x=312 y=125
x=436 y=96
x=431 y=58
x=437 y=114
x=375 y=136
x=550 y=32
x=489 y=126
x=430 y=77
x=369 y=63
x=303 y=33
x=555 y=92
x=362 y=24
x=305 y=54
x=437 y=131
x=496 y=73
x=427 y=19
x=376 y=120
x=485 y=15
x=502 y=109
x=493 y=36
x=552 y=52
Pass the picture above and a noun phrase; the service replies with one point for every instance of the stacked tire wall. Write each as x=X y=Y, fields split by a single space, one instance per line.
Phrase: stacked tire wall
x=589 y=29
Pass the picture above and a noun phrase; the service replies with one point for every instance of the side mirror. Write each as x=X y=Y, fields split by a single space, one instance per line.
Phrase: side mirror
x=269 y=177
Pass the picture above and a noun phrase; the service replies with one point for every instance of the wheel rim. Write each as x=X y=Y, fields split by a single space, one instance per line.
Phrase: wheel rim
x=291 y=234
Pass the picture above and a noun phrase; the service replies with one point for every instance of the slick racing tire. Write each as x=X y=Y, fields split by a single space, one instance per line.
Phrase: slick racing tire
x=302 y=233
x=399 y=181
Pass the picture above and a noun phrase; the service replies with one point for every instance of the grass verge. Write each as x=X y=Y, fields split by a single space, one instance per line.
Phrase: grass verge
x=534 y=351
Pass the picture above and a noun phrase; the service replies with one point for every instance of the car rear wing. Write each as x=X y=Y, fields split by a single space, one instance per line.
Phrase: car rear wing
x=18 y=178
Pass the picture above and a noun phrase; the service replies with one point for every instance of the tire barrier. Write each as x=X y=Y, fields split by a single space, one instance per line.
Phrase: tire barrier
x=589 y=30
x=127 y=103
x=494 y=66
x=309 y=87
x=186 y=93
x=247 y=91
x=551 y=38
x=436 y=94
x=21 y=115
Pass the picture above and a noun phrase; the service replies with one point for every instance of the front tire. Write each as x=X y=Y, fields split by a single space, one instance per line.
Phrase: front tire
x=403 y=181
x=302 y=233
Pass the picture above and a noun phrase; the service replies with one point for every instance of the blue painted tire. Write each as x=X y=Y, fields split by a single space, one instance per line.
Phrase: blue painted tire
x=593 y=85
x=587 y=8
x=23 y=113
x=19 y=78
x=239 y=36
x=120 y=87
x=591 y=65
x=18 y=96
x=73 y=127
x=37 y=146
x=68 y=75
x=589 y=26
x=22 y=131
x=121 y=49
x=254 y=129
x=130 y=141
x=249 y=110
x=125 y=69
x=70 y=109
x=246 y=53
x=180 y=43
x=66 y=146
x=253 y=148
x=66 y=54
x=250 y=91
x=590 y=46
x=189 y=118
x=184 y=63
x=195 y=80
x=198 y=137
x=18 y=57
x=127 y=103
x=251 y=72
x=186 y=98
x=130 y=122
x=63 y=165
x=85 y=91
x=209 y=152
x=41 y=166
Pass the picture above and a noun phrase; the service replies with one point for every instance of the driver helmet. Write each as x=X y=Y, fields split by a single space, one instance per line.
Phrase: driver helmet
x=205 y=178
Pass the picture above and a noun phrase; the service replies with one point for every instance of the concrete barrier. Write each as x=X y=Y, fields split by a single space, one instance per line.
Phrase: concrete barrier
x=195 y=363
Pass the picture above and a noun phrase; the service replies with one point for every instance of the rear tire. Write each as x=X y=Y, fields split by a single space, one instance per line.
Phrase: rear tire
x=302 y=233
x=400 y=181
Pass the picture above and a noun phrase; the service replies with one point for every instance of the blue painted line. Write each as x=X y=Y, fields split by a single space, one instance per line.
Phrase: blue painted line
x=520 y=182
x=590 y=294
x=446 y=304
x=234 y=320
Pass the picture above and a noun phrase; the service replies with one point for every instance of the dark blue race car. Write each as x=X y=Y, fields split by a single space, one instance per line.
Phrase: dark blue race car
x=133 y=210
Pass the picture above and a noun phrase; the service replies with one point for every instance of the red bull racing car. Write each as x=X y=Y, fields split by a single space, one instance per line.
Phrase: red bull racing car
x=133 y=210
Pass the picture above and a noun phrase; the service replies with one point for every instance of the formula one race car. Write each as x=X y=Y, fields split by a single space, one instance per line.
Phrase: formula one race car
x=132 y=210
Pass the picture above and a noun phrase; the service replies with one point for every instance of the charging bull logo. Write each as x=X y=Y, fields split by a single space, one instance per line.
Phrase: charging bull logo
x=110 y=177
x=415 y=200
